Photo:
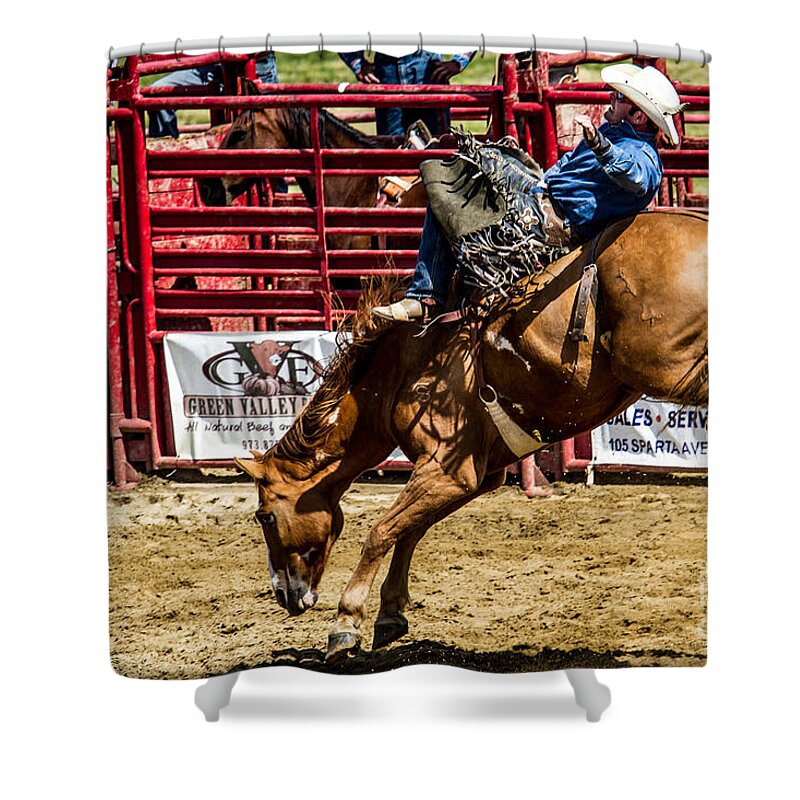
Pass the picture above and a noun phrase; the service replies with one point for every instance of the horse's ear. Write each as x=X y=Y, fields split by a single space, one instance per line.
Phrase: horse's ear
x=248 y=87
x=255 y=469
x=257 y=456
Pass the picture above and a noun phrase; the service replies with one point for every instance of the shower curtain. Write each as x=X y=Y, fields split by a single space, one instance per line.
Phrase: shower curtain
x=295 y=480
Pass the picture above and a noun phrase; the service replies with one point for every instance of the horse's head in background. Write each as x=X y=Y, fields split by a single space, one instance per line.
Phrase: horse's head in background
x=300 y=523
x=289 y=128
x=252 y=129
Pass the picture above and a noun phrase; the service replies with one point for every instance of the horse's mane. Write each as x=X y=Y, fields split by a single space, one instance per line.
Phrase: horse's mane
x=348 y=364
x=298 y=128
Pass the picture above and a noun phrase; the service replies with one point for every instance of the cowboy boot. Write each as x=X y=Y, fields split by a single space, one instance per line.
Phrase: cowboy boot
x=407 y=310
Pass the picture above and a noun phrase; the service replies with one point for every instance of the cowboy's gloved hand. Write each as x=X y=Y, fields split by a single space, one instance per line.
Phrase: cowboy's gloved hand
x=444 y=70
x=589 y=130
x=366 y=73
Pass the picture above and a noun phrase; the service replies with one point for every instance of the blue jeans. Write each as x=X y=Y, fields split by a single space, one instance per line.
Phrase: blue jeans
x=435 y=264
x=411 y=69
x=414 y=68
x=164 y=121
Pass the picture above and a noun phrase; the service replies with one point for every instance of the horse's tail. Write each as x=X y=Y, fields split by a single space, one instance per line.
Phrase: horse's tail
x=692 y=388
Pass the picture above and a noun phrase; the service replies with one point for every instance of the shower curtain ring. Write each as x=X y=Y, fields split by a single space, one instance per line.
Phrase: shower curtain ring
x=369 y=42
x=421 y=44
x=585 y=48
x=679 y=53
x=704 y=58
x=637 y=47
x=141 y=50
x=175 y=49
x=108 y=55
x=321 y=46
x=266 y=43
x=483 y=45
x=220 y=48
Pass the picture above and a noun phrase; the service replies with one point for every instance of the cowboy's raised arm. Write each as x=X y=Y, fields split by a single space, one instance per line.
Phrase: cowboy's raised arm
x=635 y=169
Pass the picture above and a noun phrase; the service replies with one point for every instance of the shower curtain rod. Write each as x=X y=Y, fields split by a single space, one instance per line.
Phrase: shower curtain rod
x=417 y=41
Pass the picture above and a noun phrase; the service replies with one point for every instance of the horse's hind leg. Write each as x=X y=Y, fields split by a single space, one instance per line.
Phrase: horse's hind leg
x=430 y=495
x=391 y=623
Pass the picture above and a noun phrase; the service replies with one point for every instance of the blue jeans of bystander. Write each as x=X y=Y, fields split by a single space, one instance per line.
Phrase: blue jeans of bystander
x=414 y=68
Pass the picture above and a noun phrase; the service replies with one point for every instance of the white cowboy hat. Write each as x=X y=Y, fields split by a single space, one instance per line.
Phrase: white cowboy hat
x=649 y=90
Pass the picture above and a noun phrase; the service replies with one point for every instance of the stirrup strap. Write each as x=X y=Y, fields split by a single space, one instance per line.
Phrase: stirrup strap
x=517 y=440
x=442 y=319
x=587 y=291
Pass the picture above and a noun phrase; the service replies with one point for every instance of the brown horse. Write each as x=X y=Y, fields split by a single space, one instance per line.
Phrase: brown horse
x=290 y=128
x=646 y=334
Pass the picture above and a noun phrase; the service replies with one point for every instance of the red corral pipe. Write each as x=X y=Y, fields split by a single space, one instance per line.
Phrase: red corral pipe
x=510 y=94
x=601 y=98
x=319 y=187
x=123 y=472
x=310 y=101
x=551 y=149
x=147 y=285
x=174 y=61
x=370 y=89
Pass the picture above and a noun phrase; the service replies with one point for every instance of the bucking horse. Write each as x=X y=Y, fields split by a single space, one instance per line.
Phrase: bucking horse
x=644 y=334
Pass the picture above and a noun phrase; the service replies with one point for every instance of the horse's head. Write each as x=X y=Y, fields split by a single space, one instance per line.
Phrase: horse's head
x=300 y=525
x=253 y=129
x=243 y=134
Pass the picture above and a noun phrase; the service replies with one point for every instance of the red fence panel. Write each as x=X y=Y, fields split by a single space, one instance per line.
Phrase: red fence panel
x=268 y=261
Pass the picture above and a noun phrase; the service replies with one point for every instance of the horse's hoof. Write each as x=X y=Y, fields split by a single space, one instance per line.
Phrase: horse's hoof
x=340 y=645
x=389 y=630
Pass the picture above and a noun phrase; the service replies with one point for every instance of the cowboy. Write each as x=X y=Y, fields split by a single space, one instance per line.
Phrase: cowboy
x=613 y=173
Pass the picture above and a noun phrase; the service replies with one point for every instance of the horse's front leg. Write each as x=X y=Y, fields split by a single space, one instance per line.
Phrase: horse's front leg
x=391 y=623
x=429 y=495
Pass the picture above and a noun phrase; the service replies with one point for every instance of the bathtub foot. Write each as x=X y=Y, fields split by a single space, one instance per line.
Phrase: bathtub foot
x=215 y=694
x=591 y=695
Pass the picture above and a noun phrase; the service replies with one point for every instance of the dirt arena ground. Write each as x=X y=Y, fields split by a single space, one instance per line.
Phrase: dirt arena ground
x=604 y=576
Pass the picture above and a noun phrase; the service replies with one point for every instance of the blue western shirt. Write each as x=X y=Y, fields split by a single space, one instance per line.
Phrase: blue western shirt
x=585 y=185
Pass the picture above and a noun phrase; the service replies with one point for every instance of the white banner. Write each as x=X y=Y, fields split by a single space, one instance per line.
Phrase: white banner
x=235 y=392
x=654 y=434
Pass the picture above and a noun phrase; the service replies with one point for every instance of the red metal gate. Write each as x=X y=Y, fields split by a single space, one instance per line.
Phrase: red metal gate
x=174 y=264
